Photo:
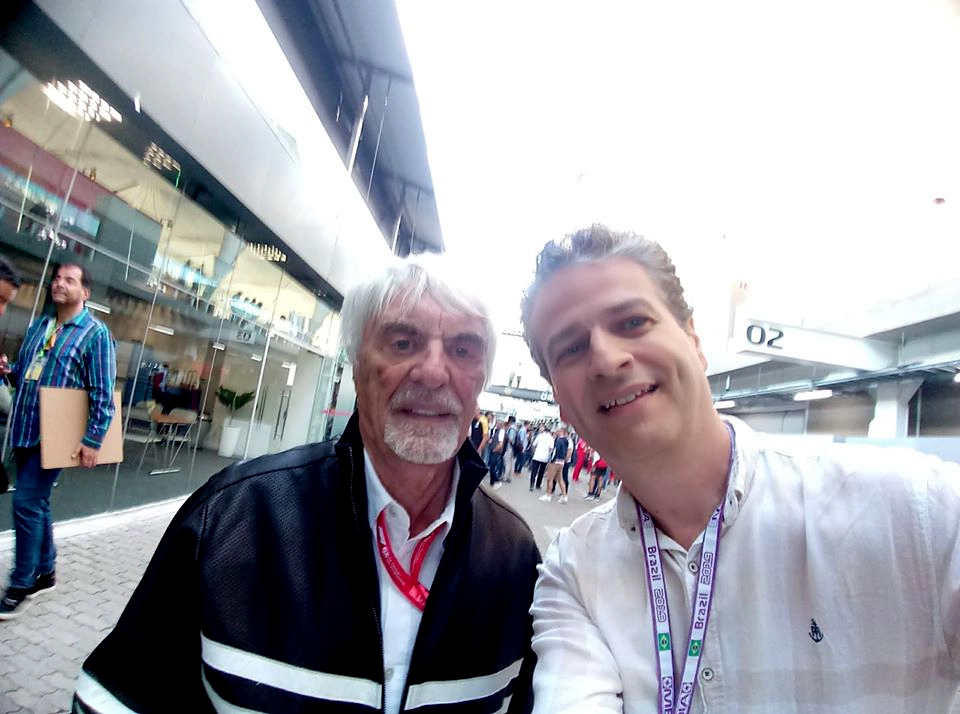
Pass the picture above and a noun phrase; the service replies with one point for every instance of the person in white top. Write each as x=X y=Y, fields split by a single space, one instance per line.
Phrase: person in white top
x=542 y=451
x=730 y=574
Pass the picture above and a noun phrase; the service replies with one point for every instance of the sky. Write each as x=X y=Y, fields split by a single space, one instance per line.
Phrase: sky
x=797 y=147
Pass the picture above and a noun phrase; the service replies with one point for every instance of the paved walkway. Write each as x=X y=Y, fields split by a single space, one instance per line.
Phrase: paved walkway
x=42 y=650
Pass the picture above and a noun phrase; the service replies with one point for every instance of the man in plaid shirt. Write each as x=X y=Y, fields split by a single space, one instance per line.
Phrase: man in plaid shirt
x=69 y=349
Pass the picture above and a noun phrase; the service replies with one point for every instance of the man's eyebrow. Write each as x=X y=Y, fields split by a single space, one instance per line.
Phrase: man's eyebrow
x=631 y=304
x=408 y=328
x=399 y=326
x=625 y=306
x=470 y=336
x=564 y=334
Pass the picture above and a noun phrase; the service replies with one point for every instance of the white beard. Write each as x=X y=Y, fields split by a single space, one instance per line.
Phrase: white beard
x=422 y=444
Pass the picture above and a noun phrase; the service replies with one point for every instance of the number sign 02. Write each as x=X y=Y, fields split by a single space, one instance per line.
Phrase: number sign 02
x=764 y=336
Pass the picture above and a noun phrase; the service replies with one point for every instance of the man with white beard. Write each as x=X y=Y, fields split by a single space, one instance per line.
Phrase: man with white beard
x=350 y=576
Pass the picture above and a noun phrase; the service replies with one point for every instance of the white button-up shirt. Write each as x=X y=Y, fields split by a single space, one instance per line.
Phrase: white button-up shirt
x=399 y=618
x=837 y=590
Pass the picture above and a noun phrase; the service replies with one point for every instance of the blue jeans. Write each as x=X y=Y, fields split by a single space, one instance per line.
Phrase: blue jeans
x=518 y=459
x=36 y=553
x=495 y=464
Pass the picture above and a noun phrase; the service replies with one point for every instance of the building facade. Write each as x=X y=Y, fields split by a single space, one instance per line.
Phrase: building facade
x=174 y=150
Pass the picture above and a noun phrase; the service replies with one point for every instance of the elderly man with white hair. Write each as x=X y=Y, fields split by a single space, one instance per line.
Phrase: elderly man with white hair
x=353 y=576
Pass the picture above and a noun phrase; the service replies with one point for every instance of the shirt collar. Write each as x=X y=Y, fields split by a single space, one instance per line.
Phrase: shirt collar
x=741 y=477
x=75 y=320
x=398 y=520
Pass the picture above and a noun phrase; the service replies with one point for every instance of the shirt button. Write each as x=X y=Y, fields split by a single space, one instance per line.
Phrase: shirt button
x=693 y=567
x=707 y=675
x=389 y=673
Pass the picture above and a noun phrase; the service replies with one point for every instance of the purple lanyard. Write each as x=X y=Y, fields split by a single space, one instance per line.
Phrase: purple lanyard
x=669 y=701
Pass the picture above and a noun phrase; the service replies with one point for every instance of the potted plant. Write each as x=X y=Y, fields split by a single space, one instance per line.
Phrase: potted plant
x=230 y=435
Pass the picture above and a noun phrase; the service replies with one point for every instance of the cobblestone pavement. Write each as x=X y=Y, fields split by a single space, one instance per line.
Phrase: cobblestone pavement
x=42 y=650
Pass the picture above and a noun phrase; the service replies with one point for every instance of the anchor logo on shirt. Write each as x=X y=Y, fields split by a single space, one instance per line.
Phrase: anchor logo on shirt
x=816 y=634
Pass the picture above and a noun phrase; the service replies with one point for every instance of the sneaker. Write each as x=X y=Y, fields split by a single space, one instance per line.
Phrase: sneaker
x=12 y=605
x=44 y=583
x=497 y=484
x=546 y=497
x=531 y=489
x=563 y=499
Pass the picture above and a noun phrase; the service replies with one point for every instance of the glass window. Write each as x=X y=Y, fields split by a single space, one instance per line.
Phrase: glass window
x=220 y=354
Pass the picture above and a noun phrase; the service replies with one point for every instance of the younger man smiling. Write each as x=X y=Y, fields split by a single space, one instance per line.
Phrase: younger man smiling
x=837 y=587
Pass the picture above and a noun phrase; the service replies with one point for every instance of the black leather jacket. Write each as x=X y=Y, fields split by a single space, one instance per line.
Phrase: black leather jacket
x=263 y=594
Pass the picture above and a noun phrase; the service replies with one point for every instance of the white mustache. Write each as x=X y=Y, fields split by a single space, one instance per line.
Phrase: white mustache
x=413 y=397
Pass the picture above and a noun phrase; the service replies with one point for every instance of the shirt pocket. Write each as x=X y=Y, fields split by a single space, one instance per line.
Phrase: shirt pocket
x=69 y=368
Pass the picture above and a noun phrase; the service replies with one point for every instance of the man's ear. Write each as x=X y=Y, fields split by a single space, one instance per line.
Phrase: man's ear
x=691 y=331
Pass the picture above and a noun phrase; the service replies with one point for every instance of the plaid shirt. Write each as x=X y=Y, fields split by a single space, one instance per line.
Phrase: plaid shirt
x=83 y=357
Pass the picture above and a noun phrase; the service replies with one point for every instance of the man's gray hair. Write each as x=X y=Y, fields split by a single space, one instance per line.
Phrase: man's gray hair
x=592 y=245
x=408 y=281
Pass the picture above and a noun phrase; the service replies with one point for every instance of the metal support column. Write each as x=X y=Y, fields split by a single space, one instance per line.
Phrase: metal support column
x=376 y=150
x=355 y=135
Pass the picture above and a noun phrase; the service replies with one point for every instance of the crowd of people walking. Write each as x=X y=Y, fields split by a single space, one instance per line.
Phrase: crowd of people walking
x=548 y=451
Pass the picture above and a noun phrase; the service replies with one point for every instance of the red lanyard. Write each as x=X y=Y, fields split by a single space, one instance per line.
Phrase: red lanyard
x=407 y=583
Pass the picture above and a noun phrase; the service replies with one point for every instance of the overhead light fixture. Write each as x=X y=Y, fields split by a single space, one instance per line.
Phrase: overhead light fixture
x=268 y=252
x=162 y=330
x=219 y=346
x=78 y=100
x=160 y=159
x=813 y=395
x=724 y=404
x=257 y=358
x=98 y=307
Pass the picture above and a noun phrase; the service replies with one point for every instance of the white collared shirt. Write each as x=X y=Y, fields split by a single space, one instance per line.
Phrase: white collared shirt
x=837 y=590
x=399 y=618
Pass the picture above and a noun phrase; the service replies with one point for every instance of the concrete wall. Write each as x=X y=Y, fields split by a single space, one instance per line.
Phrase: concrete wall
x=939 y=408
x=785 y=422
x=846 y=415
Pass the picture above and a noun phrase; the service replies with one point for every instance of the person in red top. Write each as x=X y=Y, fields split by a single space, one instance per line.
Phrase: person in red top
x=598 y=478
x=581 y=458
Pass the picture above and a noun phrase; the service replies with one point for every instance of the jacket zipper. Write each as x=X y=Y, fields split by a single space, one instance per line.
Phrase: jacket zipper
x=373 y=607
